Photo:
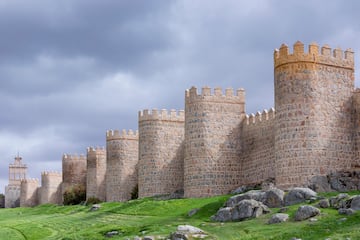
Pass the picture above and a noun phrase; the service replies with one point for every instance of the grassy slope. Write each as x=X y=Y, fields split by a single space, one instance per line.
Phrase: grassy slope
x=159 y=218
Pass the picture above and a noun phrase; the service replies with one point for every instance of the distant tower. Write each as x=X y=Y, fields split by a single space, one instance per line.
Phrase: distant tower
x=73 y=171
x=122 y=153
x=96 y=170
x=161 y=152
x=313 y=101
x=50 y=191
x=17 y=171
x=29 y=192
x=212 y=144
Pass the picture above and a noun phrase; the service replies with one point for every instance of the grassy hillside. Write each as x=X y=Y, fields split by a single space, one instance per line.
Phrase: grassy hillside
x=159 y=218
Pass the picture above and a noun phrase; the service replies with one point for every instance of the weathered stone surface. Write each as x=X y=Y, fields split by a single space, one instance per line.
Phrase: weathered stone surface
x=96 y=171
x=346 y=211
x=239 y=190
x=273 y=198
x=95 y=207
x=247 y=208
x=189 y=229
x=339 y=201
x=193 y=212
x=185 y=232
x=257 y=195
x=278 y=218
x=355 y=202
x=178 y=236
x=111 y=234
x=306 y=212
x=324 y=203
x=298 y=195
x=320 y=184
x=344 y=180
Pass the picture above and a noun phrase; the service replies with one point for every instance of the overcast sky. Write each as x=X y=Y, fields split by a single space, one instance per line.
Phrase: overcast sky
x=70 y=70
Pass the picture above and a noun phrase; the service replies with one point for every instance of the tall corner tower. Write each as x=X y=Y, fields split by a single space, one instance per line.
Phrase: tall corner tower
x=161 y=152
x=96 y=171
x=17 y=171
x=212 y=141
x=313 y=129
x=122 y=154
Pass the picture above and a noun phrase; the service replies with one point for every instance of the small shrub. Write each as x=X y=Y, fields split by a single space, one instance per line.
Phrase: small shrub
x=75 y=195
x=92 y=200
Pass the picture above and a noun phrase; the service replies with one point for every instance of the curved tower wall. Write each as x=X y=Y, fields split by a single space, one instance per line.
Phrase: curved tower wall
x=121 y=164
x=74 y=171
x=356 y=107
x=29 y=192
x=96 y=170
x=50 y=191
x=161 y=155
x=313 y=103
x=212 y=142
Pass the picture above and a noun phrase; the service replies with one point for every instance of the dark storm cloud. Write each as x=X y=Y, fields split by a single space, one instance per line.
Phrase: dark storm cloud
x=70 y=70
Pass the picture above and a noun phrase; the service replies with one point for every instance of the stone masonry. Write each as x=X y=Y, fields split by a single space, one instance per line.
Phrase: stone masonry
x=96 y=171
x=73 y=171
x=50 y=190
x=29 y=192
x=17 y=171
x=161 y=152
x=121 y=164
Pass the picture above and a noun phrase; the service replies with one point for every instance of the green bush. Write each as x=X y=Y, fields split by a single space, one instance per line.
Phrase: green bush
x=92 y=200
x=75 y=195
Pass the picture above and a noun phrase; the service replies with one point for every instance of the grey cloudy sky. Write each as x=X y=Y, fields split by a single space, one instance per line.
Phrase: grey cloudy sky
x=70 y=70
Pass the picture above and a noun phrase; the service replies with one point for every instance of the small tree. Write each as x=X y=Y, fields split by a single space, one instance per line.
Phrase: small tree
x=75 y=195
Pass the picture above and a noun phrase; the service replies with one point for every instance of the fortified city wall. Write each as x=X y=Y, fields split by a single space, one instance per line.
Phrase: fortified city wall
x=356 y=109
x=161 y=152
x=29 y=192
x=73 y=171
x=96 y=171
x=257 y=147
x=121 y=164
x=50 y=190
x=212 y=144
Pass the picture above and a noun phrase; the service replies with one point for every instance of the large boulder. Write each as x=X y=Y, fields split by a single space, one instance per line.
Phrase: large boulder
x=185 y=232
x=247 y=208
x=273 y=198
x=355 y=203
x=298 y=195
x=340 y=201
x=278 y=218
x=257 y=195
x=320 y=184
x=346 y=211
x=306 y=212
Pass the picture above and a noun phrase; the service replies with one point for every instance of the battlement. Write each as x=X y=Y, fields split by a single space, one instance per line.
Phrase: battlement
x=116 y=134
x=51 y=173
x=95 y=150
x=336 y=57
x=29 y=180
x=216 y=95
x=163 y=115
x=74 y=157
x=260 y=116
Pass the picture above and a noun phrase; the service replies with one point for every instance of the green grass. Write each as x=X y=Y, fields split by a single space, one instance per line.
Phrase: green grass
x=159 y=218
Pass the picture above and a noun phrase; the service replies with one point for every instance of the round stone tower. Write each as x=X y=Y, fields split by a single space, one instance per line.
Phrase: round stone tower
x=212 y=141
x=161 y=156
x=74 y=171
x=96 y=170
x=50 y=191
x=313 y=124
x=122 y=153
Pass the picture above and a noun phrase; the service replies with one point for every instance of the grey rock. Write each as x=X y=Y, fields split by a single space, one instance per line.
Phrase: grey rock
x=192 y=212
x=313 y=220
x=189 y=229
x=295 y=238
x=148 y=238
x=223 y=215
x=95 y=207
x=178 y=236
x=306 y=212
x=274 y=198
x=355 y=202
x=240 y=190
x=320 y=184
x=346 y=211
x=298 y=195
x=257 y=195
x=339 y=201
x=137 y=238
x=324 y=203
x=111 y=234
x=278 y=218
x=344 y=180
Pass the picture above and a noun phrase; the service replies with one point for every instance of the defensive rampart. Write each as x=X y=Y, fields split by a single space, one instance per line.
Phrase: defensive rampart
x=29 y=192
x=50 y=190
x=73 y=171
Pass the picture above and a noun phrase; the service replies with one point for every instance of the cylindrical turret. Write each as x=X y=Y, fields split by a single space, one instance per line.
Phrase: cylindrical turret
x=313 y=103
x=161 y=157
x=50 y=191
x=96 y=171
x=122 y=153
x=212 y=144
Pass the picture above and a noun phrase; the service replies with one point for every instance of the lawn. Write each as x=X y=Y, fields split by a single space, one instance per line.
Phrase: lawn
x=159 y=218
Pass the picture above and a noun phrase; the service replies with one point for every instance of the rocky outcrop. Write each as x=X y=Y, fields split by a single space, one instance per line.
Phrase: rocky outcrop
x=298 y=195
x=306 y=212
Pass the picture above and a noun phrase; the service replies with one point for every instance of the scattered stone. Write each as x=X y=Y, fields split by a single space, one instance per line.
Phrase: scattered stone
x=95 y=207
x=324 y=203
x=355 y=202
x=185 y=231
x=339 y=201
x=344 y=181
x=274 y=198
x=346 y=211
x=111 y=234
x=313 y=220
x=278 y=218
x=257 y=195
x=178 y=236
x=149 y=238
x=320 y=184
x=298 y=195
x=192 y=212
x=306 y=212
x=189 y=229
x=312 y=200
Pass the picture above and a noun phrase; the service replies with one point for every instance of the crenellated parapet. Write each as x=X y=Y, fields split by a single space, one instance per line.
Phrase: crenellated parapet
x=51 y=173
x=326 y=56
x=161 y=115
x=124 y=134
x=260 y=117
x=217 y=95
x=74 y=157
x=30 y=180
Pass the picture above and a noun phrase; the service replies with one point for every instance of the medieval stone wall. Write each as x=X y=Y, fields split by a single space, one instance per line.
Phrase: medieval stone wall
x=74 y=171
x=12 y=196
x=356 y=133
x=313 y=101
x=212 y=144
x=161 y=152
x=50 y=190
x=121 y=164
x=29 y=192
x=96 y=171
x=257 y=148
